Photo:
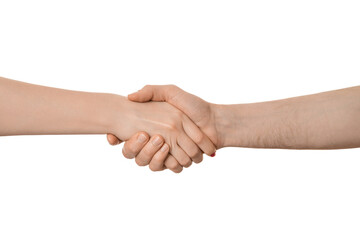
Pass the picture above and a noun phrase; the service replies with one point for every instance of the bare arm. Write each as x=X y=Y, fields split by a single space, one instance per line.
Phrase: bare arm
x=328 y=120
x=32 y=109
x=27 y=109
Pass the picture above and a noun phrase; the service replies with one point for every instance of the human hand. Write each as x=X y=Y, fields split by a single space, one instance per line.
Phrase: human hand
x=202 y=113
x=178 y=130
x=140 y=147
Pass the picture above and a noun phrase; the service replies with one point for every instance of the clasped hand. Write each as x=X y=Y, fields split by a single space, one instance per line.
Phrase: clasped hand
x=173 y=130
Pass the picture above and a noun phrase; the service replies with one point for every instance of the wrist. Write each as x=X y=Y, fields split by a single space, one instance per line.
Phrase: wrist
x=227 y=124
x=257 y=125
x=104 y=109
x=125 y=118
x=119 y=117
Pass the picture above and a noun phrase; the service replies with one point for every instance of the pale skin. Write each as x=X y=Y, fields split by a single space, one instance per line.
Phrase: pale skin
x=328 y=120
x=28 y=109
x=174 y=134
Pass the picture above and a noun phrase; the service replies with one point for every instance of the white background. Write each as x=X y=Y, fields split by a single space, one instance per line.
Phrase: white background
x=78 y=187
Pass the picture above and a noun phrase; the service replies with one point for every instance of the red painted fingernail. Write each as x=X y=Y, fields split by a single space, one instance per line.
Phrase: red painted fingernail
x=213 y=155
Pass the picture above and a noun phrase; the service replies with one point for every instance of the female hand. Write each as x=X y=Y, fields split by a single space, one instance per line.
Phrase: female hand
x=141 y=147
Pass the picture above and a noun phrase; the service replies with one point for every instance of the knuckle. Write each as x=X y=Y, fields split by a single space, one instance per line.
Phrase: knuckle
x=158 y=159
x=172 y=125
x=199 y=138
x=172 y=165
x=174 y=121
x=147 y=86
x=172 y=86
x=126 y=153
x=178 y=115
x=148 y=152
x=195 y=153
x=177 y=170
x=198 y=159
x=141 y=162
x=155 y=167
x=186 y=163
x=133 y=149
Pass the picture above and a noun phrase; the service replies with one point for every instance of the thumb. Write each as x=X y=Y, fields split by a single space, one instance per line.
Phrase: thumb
x=143 y=95
x=112 y=139
x=153 y=93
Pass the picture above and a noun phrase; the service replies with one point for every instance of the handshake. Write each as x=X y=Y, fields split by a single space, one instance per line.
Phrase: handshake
x=185 y=127
x=182 y=127
x=167 y=128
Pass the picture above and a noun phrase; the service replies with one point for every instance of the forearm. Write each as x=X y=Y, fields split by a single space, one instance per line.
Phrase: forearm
x=326 y=120
x=31 y=109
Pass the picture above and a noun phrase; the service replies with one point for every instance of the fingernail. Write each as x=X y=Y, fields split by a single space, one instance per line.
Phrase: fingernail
x=164 y=148
x=213 y=155
x=157 y=141
x=141 y=138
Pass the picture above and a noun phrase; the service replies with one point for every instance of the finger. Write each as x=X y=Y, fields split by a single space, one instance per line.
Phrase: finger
x=112 y=139
x=133 y=146
x=172 y=94
x=201 y=139
x=182 y=158
x=148 y=152
x=157 y=162
x=190 y=148
x=172 y=164
x=154 y=93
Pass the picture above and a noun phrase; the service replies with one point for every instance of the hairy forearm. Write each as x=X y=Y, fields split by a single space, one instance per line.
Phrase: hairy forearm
x=31 y=109
x=328 y=120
